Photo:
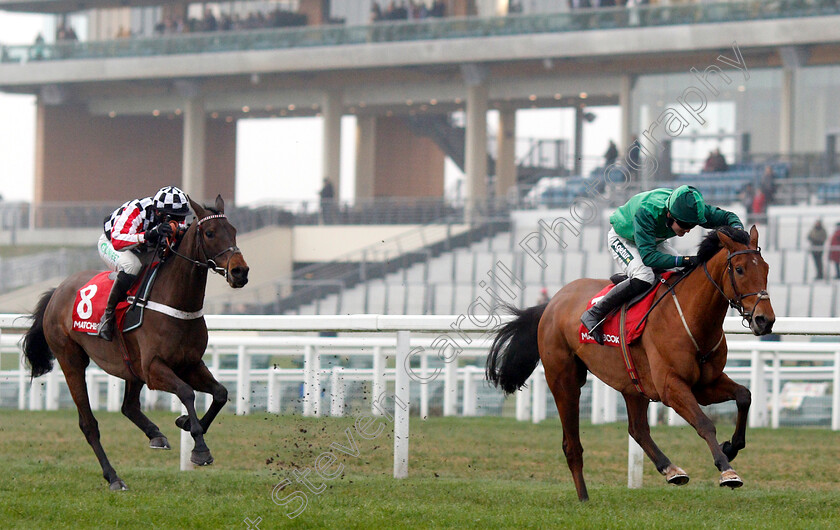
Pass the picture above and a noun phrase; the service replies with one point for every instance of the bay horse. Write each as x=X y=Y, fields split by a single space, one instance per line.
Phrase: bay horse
x=164 y=353
x=679 y=358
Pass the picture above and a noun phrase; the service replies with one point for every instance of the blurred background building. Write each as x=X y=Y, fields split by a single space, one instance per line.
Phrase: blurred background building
x=418 y=107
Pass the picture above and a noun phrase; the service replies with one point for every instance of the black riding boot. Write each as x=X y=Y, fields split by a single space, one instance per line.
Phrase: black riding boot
x=595 y=315
x=121 y=286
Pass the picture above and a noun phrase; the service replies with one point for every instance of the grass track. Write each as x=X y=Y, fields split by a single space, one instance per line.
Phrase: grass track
x=478 y=473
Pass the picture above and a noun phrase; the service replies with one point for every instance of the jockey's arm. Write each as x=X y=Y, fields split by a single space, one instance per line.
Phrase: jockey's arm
x=126 y=235
x=644 y=230
x=716 y=217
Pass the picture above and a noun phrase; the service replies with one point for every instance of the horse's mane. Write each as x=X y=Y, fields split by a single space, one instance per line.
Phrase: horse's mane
x=711 y=243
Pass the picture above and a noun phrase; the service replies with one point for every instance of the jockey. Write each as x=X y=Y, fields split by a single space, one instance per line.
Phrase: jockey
x=131 y=233
x=638 y=242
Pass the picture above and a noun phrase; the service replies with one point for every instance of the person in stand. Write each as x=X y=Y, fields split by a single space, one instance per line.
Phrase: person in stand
x=817 y=237
x=768 y=184
x=759 y=206
x=327 y=195
x=611 y=155
x=638 y=242
x=131 y=235
x=543 y=299
x=834 y=251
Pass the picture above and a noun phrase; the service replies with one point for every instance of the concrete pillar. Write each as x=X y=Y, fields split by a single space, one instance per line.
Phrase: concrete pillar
x=475 y=164
x=624 y=96
x=365 y=156
x=331 y=111
x=506 y=160
x=786 y=106
x=578 y=154
x=195 y=137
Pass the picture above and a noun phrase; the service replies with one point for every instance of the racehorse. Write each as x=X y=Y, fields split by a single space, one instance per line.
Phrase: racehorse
x=165 y=353
x=679 y=358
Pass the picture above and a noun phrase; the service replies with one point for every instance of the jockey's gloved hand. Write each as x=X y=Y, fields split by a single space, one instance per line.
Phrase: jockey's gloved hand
x=162 y=230
x=688 y=261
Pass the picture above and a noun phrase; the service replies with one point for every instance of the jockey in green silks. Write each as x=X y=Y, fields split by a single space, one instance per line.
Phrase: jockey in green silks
x=638 y=242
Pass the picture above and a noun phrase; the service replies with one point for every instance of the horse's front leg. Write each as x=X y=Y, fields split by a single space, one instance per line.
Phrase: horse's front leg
x=679 y=397
x=639 y=428
x=161 y=377
x=202 y=380
x=725 y=389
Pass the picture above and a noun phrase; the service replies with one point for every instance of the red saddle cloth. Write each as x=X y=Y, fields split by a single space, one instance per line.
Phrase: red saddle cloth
x=91 y=301
x=635 y=313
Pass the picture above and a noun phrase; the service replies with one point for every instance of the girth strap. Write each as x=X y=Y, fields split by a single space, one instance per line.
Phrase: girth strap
x=625 y=351
x=170 y=311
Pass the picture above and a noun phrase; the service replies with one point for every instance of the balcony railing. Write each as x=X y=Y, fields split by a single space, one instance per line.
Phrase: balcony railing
x=427 y=29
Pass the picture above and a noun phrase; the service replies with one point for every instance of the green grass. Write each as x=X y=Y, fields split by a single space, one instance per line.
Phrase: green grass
x=473 y=473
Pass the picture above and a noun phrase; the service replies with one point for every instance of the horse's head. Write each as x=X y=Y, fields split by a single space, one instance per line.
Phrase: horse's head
x=746 y=282
x=216 y=241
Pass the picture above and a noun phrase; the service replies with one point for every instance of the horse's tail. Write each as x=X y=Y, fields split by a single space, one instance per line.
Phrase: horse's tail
x=35 y=347
x=514 y=355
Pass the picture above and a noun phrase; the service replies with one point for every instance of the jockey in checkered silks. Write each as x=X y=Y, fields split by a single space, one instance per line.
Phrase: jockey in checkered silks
x=638 y=242
x=132 y=232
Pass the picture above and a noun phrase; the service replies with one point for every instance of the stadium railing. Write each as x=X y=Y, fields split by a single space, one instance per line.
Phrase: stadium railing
x=335 y=363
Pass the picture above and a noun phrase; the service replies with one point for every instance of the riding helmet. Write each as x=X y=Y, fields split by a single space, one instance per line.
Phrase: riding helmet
x=170 y=200
x=686 y=205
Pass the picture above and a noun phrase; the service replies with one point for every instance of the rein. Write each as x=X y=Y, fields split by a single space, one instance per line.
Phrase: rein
x=209 y=262
x=735 y=302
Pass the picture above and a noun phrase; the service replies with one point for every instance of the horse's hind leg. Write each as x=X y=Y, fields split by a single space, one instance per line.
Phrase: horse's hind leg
x=679 y=396
x=565 y=379
x=131 y=410
x=73 y=365
x=202 y=380
x=639 y=428
x=725 y=389
x=161 y=377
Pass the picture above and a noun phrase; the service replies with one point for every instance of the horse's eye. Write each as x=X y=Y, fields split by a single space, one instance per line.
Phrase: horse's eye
x=739 y=270
x=209 y=234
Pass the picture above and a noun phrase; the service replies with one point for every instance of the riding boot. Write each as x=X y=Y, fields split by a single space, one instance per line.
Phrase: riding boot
x=121 y=286
x=594 y=317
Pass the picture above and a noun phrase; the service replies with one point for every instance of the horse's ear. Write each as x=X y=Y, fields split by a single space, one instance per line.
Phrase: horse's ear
x=197 y=209
x=753 y=237
x=220 y=204
x=727 y=242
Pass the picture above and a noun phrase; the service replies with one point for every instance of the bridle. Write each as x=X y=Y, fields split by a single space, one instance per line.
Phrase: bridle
x=209 y=262
x=736 y=302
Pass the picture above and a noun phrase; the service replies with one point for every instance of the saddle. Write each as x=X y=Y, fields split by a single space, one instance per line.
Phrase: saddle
x=637 y=308
x=93 y=296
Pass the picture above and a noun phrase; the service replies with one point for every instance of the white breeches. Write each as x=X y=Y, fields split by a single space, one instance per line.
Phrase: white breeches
x=629 y=259
x=126 y=260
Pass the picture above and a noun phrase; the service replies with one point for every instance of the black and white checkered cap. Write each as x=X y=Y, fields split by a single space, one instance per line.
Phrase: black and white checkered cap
x=170 y=200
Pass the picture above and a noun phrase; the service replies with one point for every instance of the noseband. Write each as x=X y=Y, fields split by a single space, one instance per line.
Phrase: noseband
x=209 y=262
x=736 y=302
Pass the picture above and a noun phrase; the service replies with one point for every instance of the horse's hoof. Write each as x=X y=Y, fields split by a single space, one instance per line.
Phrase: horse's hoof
x=729 y=450
x=201 y=458
x=730 y=479
x=118 y=485
x=676 y=476
x=183 y=422
x=159 y=443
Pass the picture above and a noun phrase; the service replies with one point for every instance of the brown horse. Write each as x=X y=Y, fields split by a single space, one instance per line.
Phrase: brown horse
x=679 y=358
x=165 y=353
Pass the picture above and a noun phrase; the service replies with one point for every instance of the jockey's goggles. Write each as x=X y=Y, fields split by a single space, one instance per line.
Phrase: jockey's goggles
x=684 y=225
